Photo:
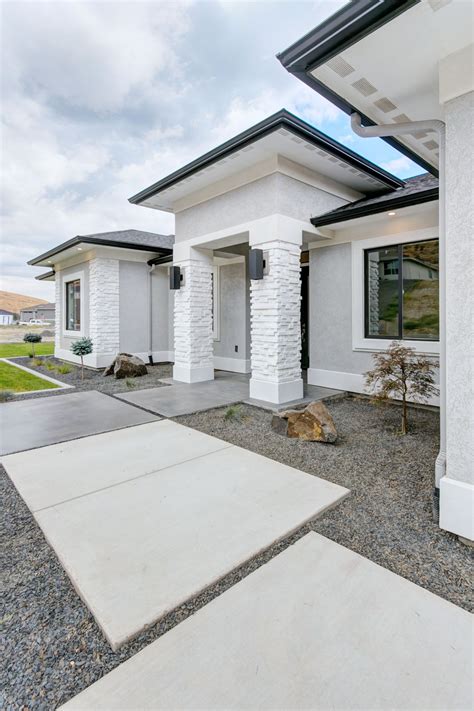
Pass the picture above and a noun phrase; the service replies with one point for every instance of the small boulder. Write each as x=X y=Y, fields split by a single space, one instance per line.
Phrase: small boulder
x=313 y=424
x=126 y=365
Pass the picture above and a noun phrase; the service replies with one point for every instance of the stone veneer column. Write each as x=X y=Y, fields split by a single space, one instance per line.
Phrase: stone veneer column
x=275 y=305
x=193 y=344
x=104 y=321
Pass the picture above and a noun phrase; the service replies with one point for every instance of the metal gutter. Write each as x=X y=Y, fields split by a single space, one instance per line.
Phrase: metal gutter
x=281 y=119
x=46 y=275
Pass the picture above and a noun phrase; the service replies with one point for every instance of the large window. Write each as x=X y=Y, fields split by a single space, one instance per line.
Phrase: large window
x=401 y=291
x=73 y=305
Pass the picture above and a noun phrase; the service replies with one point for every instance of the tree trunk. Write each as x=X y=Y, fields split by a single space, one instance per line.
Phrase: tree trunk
x=404 y=415
x=82 y=367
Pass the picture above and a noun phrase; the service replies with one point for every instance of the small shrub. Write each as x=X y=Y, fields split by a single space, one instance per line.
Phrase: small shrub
x=32 y=338
x=64 y=369
x=400 y=373
x=50 y=366
x=6 y=395
x=81 y=348
x=130 y=383
x=37 y=362
x=233 y=412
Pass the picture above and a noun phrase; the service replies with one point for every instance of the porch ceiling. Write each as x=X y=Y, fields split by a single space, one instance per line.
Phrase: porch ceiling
x=388 y=68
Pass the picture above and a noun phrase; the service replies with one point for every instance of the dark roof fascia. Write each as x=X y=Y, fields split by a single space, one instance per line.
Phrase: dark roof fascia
x=346 y=27
x=282 y=119
x=391 y=203
x=78 y=239
x=160 y=260
x=46 y=275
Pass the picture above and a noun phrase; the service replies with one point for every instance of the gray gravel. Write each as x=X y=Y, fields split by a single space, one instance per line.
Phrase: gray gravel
x=55 y=649
x=93 y=379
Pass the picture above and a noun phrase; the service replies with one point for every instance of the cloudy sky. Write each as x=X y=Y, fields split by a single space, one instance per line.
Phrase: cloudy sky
x=100 y=99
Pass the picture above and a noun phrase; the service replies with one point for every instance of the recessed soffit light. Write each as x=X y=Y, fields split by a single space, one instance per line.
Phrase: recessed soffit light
x=392 y=213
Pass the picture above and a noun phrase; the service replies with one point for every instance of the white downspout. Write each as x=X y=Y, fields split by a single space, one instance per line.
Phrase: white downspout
x=400 y=129
x=150 y=314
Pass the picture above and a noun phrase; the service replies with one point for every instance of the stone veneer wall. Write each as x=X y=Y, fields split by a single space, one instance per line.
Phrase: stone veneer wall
x=104 y=325
x=275 y=316
x=193 y=316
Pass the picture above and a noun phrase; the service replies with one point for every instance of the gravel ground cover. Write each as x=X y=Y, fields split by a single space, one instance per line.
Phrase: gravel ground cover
x=55 y=649
x=93 y=379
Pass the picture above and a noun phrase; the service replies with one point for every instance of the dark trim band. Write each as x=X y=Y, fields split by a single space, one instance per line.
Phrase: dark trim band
x=391 y=203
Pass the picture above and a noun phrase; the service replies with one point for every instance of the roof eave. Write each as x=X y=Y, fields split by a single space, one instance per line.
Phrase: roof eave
x=282 y=119
x=376 y=208
x=346 y=27
x=97 y=241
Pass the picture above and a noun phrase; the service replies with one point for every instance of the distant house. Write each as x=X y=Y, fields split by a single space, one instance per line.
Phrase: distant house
x=44 y=312
x=6 y=317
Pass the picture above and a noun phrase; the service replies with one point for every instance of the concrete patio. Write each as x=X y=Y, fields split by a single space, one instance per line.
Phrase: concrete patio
x=318 y=627
x=226 y=388
x=26 y=424
x=144 y=518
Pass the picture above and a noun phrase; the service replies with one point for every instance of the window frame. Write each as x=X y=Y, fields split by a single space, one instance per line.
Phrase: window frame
x=399 y=275
x=67 y=279
x=360 y=342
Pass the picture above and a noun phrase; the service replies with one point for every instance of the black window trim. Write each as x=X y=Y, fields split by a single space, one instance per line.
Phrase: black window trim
x=66 y=310
x=400 y=293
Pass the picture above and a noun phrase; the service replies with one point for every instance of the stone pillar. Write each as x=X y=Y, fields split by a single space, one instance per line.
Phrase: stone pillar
x=104 y=317
x=58 y=322
x=193 y=344
x=275 y=304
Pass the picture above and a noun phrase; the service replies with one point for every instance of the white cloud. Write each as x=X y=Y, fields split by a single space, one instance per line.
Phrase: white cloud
x=100 y=99
x=399 y=165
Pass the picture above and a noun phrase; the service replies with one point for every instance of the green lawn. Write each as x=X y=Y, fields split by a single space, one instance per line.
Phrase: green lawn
x=12 y=350
x=19 y=381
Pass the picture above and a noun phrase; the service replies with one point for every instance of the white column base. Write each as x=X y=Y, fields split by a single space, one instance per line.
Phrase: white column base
x=457 y=507
x=187 y=374
x=277 y=393
x=440 y=466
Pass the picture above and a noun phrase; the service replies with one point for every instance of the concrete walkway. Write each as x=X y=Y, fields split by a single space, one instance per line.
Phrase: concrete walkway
x=227 y=388
x=318 y=627
x=29 y=423
x=143 y=519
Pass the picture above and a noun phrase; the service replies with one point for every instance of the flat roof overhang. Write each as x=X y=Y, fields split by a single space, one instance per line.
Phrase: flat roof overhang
x=47 y=276
x=281 y=134
x=79 y=242
x=390 y=204
x=380 y=58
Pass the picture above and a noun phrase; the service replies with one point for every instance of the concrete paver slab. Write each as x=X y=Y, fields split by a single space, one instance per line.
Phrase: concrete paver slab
x=50 y=475
x=318 y=627
x=30 y=423
x=139 y=549
x=182 y=399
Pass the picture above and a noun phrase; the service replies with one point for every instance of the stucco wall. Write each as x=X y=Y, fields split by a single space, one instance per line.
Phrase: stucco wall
x=233 y=300
x=133 y=309
x=276 y=193
x=330 y=309
x=162 y=312
x=459 y=117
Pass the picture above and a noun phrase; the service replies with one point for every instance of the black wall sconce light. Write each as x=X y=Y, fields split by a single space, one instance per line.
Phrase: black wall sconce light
x=256 y=264
x=176 y=278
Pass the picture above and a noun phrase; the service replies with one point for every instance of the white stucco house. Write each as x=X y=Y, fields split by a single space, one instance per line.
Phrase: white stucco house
x=291 y=252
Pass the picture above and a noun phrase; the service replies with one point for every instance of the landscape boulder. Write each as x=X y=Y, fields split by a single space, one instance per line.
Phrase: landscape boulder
x=313 y=423
x=126 y=365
